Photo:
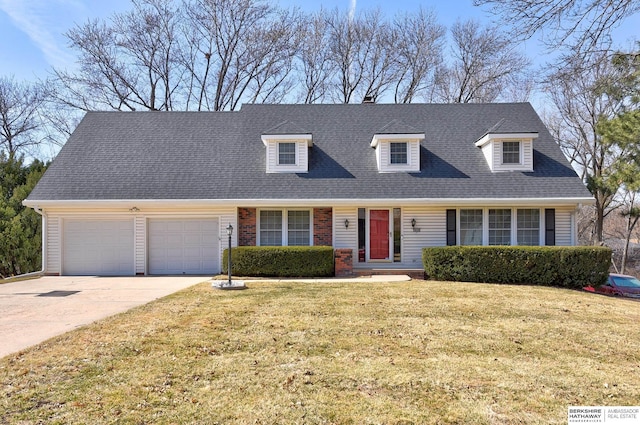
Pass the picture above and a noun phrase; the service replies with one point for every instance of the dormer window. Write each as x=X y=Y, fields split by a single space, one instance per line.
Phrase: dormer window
x=287 y=148
x=508 y=151
x=286 y=153
x=511 y=152
x=398 y=152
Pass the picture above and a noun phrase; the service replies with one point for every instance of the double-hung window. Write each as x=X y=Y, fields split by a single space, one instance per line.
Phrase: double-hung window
x=286 y=153
x=511 y=152
x=529 y=227
x=285 y=227
x=398 y=153
x=471 y=227
x=499 y=227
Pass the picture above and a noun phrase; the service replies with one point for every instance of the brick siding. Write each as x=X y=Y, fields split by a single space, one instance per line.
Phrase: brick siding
x=322 y=226
x=343 y=258
x=247 y=222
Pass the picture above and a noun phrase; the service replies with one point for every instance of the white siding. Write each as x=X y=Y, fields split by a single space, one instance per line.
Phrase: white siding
x=54 y=245
x=383 y=151
x=345 y=237
x=564 y=227
x=526 y=155
x=140 y=244
x=302 y=157
x=431 y=224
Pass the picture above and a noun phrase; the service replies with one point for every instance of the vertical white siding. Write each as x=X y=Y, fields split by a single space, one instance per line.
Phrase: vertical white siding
x=54 y=242
x=343 y=237
x=526 y=155
x=140 y=244
x=383 y=152
x=487 y=151
x=302 y=157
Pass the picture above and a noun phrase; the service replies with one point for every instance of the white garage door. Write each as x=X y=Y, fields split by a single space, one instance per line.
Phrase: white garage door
x=183 y=246
x=98 y=247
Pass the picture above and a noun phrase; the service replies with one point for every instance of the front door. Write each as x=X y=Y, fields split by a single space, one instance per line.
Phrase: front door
x=379 y=234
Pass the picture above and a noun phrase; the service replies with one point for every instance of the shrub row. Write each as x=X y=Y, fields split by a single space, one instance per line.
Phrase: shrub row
x=280 y=261
x=567 y=267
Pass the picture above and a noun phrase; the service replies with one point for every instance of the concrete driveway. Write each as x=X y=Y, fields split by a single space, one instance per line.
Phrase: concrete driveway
x=33 y=311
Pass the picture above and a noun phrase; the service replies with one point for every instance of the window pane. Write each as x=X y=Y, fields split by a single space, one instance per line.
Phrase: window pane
x=500 y=227
x=286 y=153
x=529 y=227
x=397 y=233
x=511 y=152
x=470 y=227
x=298 y=223
x=271 y=228
x=398 y=153
x=362 y=235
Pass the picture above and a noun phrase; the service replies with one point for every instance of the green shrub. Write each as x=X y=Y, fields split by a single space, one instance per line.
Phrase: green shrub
x=280 y=261
x=567 y=267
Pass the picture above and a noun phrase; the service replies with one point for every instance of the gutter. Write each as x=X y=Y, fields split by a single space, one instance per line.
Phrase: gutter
x=44 y=249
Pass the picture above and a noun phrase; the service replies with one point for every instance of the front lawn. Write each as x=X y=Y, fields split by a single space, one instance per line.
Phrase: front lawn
x=395 y=353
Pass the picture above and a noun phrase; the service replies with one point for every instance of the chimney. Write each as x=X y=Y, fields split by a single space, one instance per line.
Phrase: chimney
x=369 y=99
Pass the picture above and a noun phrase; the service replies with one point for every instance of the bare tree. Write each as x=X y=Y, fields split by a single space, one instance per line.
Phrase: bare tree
x=484 y=65
x=127 y=64
x=419 y=41
x=578 y=91
x=314 y=65
x=246 y=48
x=585 y=24
x=20 y=115
x=361 y=48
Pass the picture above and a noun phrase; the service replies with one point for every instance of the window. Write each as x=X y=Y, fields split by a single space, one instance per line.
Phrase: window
x=511 y=152
x=500 y=227
x=470 y=227
x=298 y=228
x=529 y=227
x=296 y=222
x=398 y=152
x=271 y=228
x=287 y=153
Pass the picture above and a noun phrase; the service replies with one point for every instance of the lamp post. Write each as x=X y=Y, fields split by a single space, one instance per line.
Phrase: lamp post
x=229 y=233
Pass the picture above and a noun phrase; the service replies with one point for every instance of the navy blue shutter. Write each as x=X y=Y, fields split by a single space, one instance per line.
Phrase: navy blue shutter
x=451 y=227
x=550 y=226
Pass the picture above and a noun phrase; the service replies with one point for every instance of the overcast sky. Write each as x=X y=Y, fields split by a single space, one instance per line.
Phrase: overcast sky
x=32 y=41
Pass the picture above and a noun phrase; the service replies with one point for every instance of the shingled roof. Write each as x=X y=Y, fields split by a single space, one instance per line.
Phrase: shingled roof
x=219 y=155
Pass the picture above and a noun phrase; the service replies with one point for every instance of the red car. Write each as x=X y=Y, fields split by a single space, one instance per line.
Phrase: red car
x=618 y=285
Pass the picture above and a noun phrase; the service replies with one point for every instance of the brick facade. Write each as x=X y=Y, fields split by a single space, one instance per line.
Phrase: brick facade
x=247 y=226
x=343 y=262
x=322 y=226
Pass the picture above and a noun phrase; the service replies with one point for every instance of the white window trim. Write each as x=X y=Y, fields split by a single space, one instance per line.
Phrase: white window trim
x=295 y=153
x=514 y=224
x=285 y=224
x=407 y=146
x=520 y=153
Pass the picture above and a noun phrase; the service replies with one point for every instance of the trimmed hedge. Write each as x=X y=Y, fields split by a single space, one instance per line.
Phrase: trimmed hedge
x=280 y=261
x=566 y=267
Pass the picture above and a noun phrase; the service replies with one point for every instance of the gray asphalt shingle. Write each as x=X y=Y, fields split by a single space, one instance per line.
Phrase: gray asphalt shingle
x=220 y=155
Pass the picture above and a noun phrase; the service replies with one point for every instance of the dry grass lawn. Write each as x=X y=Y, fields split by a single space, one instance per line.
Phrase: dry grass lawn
x=292 y=353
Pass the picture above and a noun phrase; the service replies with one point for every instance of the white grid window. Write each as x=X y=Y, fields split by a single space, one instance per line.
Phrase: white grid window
x=470 y=227
x=298 y=224
x=398 y=152
x=500 y=227
x=529 y=227
x=511 y=152
x=271 y=228
x=287 y=153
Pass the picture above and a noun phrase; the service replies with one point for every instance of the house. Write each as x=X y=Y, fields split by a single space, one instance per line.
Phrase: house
x=139 y=193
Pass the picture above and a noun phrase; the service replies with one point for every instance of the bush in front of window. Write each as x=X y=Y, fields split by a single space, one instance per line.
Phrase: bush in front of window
x=565 y=267
x=280 y=261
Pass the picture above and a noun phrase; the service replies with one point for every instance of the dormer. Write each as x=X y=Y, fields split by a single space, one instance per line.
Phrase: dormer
x=397 y=148
x=506 y=150
x=287 y=148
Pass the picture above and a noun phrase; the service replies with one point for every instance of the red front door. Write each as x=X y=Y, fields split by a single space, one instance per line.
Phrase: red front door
x=379 y=234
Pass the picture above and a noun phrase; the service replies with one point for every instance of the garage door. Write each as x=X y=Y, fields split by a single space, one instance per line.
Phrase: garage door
x=183 y=246
x=98 y=247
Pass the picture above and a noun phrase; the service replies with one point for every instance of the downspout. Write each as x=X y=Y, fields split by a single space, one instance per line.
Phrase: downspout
x=44 y=248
